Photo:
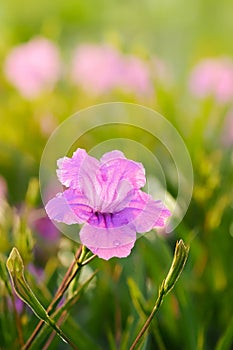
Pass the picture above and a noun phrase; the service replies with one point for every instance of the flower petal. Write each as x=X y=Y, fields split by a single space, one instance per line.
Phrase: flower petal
x=108 y=253
x=70 y=169
x=70 y=207
x=143 y=213
x=131 y=171
x=107 y=184
x=58 y=210
x=79 y=204
x=112 y=155
x=89 y=183
x=119 y=177
x=108 y=242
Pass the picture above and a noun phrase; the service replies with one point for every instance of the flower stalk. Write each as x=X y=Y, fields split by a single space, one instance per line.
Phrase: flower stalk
x=78 y=262
x=22 y=289
x=178 y=263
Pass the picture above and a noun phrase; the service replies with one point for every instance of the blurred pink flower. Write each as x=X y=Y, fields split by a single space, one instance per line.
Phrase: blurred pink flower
x=105 y=195
x=33 y=67
x=96 y=68
x=19 y=304
x=213 y=77
x=41 y=224
x=135 y=77
x=37 y=272
x=99 y=69
x=161 y=72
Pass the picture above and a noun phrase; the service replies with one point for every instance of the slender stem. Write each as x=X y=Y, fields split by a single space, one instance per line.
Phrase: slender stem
x=88 y=260
x=61 y=290
x=149 y=319
x=61 y=313
x=178 y=262
x=66 y=281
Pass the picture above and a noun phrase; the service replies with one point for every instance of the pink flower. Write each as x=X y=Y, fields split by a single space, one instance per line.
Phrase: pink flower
x=213 y=77
x=33 y=67
x=100 y=69
x=105 y=195
x=96 y=68
x=161 y=72
x=37 y=272
x=19 y=304
x=41 y=224
x=135 y=76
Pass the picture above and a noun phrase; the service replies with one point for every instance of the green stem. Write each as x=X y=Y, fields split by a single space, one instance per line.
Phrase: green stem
x=149 y=319
x=88 y=260
x=68 y=278
x=178 y=263
x=60 y=314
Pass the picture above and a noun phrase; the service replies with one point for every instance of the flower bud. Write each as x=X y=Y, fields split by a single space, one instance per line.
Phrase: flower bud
x=179 y=260
x=16 y=270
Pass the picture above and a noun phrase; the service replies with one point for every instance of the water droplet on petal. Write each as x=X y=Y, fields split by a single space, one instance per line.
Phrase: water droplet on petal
x=116 y=243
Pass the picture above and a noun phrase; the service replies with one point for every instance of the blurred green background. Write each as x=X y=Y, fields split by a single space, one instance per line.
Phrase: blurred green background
x=171 y=38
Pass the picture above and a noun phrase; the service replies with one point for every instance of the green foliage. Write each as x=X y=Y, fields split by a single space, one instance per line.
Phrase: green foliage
x=106 y=309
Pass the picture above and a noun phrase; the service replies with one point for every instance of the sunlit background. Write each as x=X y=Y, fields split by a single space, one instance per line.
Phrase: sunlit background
x=175 y=57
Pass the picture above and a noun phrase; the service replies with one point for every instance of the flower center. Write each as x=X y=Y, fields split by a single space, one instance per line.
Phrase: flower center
x=101 y=219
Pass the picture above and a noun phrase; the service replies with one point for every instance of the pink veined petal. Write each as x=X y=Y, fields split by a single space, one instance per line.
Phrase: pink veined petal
x=130 y=170
x=80 y=172
x=69 y=207
x=108 y=253
x=79 y=204
x=89 y=182
x=119 y=177
x=106 y=238
x=112 y=202
x=58 y=210
x=112 y=155
x=124 y=195
x=70 y=169
x=143 y=213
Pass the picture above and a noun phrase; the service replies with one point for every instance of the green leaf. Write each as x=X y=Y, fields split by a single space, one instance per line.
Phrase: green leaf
x=226 y=340
x=16 y=270
x=137 y=297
